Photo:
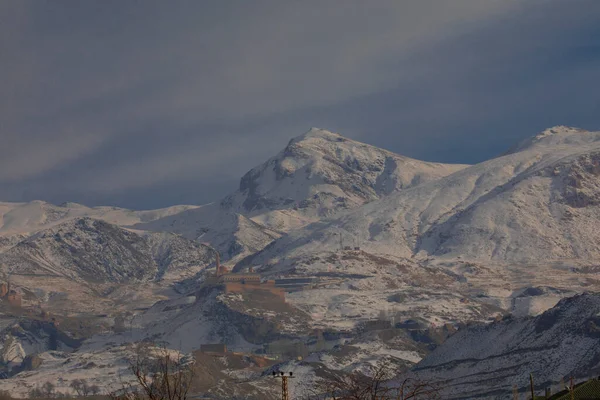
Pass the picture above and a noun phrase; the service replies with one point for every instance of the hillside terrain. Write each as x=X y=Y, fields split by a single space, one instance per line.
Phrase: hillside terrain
x=318 y=175
x=379 y=255
x=321 y=173
x=538 y=203
x=87 y=264
x=487 y=360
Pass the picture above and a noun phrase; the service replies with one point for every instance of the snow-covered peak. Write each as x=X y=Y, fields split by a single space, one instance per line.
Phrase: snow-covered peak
x=558 y=130
x=71 y=204
x=558 y=135
x=318 y=133
x=541 y=203
x=320 y=173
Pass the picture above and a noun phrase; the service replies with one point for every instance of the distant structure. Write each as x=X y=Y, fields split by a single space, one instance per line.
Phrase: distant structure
x=219 y=349
x=9 y=295
x=220 y=269
x=376 y=325
x=244 y=282
x=119 y=324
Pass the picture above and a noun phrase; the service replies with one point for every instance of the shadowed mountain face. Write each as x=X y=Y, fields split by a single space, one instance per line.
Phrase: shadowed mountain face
x=487 y=360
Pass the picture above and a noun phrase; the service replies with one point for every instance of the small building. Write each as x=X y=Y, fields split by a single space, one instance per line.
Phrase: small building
x=4 y=289
x=214 y=349
x=241 y=278
x=411 y=325
x=376 y=325
x=14 y=298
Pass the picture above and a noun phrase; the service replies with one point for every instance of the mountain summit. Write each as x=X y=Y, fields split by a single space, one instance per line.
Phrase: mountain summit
x=541 y=202
x=320 y=173
x=317 y=175
x=557 y=136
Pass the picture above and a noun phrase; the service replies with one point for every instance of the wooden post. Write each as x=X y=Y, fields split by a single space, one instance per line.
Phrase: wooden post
x=572 y=389
x=531 y=384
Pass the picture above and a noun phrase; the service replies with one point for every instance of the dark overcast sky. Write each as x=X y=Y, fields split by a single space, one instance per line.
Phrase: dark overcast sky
x=145 y=104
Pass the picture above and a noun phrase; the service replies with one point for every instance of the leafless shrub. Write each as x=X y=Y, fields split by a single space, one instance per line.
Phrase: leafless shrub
x=378 y=384
x=81 y=387
x=159 y=375
x=46 y=391
x=5 y=395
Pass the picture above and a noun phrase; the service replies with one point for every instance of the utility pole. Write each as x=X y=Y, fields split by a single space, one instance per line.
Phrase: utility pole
x=285 y=394
x=572 y=389
x=531 y=383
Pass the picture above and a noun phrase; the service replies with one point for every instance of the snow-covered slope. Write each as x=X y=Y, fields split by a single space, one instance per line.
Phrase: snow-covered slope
x=539 y=203
x=316 y=176
x=27 y=218
x=90 y=250
x=485 y=361
x=320 y=173
x=230 y=233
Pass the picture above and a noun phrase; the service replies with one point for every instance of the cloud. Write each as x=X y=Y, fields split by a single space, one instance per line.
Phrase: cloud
x=23 y=157
x=221 y=59
x=112 y=96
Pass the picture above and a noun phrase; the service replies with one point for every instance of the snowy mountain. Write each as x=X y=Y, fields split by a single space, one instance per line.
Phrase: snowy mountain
x=370 y=235
x=538 y=203
x=318 y=175
x=27 y=218
x=230 y=233
x=89 y=250
x=321 y=173
x=485 y=361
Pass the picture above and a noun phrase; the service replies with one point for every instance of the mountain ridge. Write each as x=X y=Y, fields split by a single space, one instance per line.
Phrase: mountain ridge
x=516 y=195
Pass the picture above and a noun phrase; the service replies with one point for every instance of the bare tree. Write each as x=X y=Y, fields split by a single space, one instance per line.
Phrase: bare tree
x=5 y=395
x=76 y=385
x=415 y=389
x=48 y=389
x=94 y=390
x=35 y=393
x=377 y=384
x=161 y=376
x=81 y=387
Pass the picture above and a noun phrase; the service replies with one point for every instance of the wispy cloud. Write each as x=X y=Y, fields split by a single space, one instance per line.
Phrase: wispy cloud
x=111 y=96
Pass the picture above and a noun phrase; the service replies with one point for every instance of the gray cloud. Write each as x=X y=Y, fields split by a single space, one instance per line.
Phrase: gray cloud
x=105 y=101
